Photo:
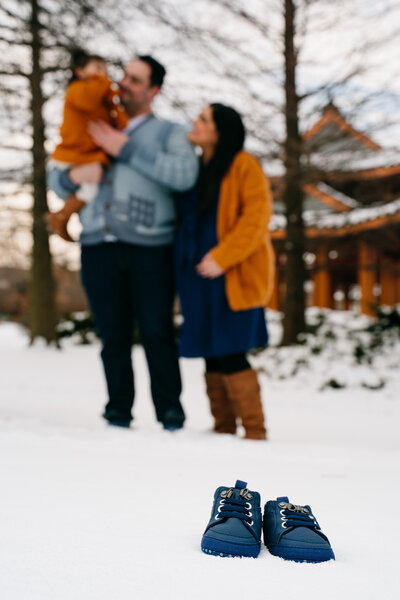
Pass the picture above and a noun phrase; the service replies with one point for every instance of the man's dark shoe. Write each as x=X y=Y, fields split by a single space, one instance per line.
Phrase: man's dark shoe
x=116 y=419
x=292 y=532
x=173 y=420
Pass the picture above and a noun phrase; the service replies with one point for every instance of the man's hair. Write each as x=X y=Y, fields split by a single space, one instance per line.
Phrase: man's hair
x=157 y=70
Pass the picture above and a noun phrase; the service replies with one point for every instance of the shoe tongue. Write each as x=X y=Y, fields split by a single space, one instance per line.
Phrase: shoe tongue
x=240 y=485
x=282 y=499
x=240 y=491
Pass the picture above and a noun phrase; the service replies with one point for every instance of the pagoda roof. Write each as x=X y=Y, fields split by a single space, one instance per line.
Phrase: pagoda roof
x=330 y=197
x=335 y=146
x=338 y=224
x=362 y=165
x=337 y=149
x=321 y=198
x=333 y=121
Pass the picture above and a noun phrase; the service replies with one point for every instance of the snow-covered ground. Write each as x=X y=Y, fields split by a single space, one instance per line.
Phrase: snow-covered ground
x=90 y=512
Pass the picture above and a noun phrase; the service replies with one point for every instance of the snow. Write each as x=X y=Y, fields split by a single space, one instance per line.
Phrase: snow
x=350 y=161
x=336 y=220
x=342 y=198
x=89 y=512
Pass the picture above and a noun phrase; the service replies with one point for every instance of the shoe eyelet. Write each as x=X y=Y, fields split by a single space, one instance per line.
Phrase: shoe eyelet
x=216 y=517
x=249 y=514
x=226 y=493
x=284 y=524
x=248 y=506
x=281 y=512
x=251 y=523
x=219 y=509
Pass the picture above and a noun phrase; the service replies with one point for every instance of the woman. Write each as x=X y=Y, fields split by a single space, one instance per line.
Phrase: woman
x=225 y=268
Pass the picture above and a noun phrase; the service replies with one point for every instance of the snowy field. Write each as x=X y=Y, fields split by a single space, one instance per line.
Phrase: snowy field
x=90 y=512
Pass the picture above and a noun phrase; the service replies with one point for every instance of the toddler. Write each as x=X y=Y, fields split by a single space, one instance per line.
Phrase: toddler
x=91 y=96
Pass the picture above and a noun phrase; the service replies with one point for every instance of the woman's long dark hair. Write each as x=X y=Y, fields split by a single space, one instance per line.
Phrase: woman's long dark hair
x=231 y=132
x=80 y=58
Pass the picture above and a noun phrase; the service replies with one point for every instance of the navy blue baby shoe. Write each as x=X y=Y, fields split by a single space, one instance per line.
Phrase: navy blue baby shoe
x=292 y=532
x=235 y=525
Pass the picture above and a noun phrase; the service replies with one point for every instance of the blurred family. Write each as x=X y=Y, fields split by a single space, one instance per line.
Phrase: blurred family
x=159 y=218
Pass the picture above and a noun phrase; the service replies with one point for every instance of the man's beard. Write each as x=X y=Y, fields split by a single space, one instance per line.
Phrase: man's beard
x=127 y=105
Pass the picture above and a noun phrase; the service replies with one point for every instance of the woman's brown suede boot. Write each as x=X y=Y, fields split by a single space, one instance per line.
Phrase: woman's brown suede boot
x=220 y=405
x=58 y=221
x=244 y=391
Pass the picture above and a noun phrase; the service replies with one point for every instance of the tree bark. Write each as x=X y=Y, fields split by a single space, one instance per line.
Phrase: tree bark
x=42 y=287
x=294 y=308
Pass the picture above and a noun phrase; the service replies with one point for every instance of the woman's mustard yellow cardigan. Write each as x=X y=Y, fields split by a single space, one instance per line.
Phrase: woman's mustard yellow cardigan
x=244 y=248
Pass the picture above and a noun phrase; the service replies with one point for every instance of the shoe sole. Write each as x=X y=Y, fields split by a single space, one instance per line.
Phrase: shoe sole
x=310 y=555
x=228 y=549
x=120 y=424
x=172 y=427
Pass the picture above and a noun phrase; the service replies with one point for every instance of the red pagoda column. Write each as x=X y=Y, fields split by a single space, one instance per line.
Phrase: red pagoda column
x=367 y=267
x=322 y=279
x=388 y=282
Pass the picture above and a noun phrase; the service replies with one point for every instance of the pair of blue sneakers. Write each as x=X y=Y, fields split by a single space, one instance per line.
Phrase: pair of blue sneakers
x=291 y=532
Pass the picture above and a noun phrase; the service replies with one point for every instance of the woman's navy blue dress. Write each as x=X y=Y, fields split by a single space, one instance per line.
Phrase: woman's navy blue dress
x=210 y=328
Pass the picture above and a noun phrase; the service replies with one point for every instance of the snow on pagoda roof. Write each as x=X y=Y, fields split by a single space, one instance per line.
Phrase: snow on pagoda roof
x=353 y=217
x=353 y=161
x=375 y=162
x=322 y=198
x=328 y=191
x=344 y=220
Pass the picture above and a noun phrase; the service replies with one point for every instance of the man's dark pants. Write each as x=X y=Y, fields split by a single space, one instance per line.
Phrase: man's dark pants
x=126 y=285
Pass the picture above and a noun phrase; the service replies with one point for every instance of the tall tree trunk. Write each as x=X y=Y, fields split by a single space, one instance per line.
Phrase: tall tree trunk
x=42 y=288
x=294 y=311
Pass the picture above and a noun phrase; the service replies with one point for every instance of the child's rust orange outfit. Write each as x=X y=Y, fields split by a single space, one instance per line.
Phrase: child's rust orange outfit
x=87 y=100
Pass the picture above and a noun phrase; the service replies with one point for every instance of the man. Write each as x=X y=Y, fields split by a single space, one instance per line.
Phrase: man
x=127 y=261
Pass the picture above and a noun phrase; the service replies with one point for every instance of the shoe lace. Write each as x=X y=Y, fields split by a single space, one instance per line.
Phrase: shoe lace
x=297 y=516
x=239 y=508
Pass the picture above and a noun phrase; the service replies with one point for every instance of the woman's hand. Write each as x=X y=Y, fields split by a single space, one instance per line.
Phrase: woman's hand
x=208 y=267
x=90 y=173
x=108 y=138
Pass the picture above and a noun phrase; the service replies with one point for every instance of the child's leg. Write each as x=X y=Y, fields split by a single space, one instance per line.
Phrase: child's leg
x=87 y=192
x=58 y=221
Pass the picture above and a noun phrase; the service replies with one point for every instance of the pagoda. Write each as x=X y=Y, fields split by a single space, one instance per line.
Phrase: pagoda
x=351 y=217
